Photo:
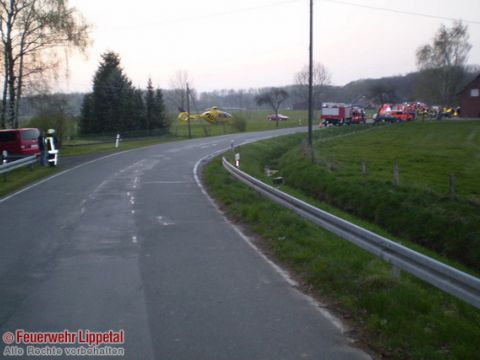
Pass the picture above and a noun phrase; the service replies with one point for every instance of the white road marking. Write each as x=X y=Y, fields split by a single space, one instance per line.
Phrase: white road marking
x=283 y=273
x=168 y=182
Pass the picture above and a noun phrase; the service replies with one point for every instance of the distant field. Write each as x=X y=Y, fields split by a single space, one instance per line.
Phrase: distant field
x=255 y=121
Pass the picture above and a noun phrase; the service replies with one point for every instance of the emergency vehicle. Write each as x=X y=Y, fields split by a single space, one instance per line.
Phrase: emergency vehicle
x=336 y=114
x=342 y=114
x=396 y=113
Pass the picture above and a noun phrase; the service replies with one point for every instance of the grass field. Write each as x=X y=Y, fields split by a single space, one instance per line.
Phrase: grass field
x=419 y=208
x=254 y=121
x=398 y=318
x=426 y=153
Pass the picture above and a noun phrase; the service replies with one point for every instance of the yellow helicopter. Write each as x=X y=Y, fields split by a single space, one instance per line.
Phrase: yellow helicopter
x=212 y=115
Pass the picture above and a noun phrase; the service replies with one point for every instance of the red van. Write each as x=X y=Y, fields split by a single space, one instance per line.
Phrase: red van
x=20 y=141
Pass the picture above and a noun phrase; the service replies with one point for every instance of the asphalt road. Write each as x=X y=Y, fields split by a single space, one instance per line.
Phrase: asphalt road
x=130 y=242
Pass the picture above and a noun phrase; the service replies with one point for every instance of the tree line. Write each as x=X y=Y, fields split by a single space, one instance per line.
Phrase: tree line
x=442 y=73
x=33 y=31
x=115 y=105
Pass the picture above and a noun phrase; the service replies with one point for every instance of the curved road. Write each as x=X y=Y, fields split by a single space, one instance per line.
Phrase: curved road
x=129 y=241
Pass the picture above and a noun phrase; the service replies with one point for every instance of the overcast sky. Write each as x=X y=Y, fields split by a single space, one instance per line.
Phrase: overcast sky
x=256 y=43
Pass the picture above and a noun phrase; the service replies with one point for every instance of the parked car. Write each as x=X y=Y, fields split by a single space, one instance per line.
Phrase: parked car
x=22 y=142
x=279 y=117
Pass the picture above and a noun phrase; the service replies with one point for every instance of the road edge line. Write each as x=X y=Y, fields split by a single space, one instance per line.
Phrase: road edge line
x=285 y=274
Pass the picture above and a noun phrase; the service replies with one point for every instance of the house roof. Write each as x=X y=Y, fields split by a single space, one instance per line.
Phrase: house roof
x=469 y=85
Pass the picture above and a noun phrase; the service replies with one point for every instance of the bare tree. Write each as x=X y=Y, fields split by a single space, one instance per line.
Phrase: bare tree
x=442 y=63
x=32 y=32
x=382 y=92
x=179 y=90
x=274 y=98
x=321 y=77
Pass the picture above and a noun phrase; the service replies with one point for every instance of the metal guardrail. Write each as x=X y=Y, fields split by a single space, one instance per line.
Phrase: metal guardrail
x=444 y=277
x=5 y=168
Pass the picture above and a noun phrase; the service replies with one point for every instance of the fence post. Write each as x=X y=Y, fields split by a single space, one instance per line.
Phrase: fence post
x=396 y=174
x=363 y=166
x=451 y=187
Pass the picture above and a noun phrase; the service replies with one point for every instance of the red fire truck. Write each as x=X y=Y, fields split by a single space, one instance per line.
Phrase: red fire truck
x=341 y=114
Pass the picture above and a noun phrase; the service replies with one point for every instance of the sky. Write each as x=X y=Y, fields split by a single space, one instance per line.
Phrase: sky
x=226 y=44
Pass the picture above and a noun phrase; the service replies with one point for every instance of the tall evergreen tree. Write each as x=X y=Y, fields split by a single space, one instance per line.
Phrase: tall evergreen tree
x=137 y=111
x=149 y=106
x=86 y=115
x=111 y=107
x=159 y=119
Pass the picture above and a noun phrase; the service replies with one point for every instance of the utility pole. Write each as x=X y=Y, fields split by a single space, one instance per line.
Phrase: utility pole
x=310 y=78
x=188 y=112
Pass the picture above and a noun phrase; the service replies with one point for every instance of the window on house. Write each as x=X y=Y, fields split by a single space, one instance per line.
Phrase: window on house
x=475 y=92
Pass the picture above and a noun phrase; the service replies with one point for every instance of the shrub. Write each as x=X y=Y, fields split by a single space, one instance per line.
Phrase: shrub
x=239 y=123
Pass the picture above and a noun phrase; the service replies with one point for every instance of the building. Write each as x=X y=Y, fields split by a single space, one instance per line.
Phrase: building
x=470 y=99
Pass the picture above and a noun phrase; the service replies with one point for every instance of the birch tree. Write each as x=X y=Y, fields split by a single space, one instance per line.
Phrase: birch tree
x=33 y=32
x=442 y=63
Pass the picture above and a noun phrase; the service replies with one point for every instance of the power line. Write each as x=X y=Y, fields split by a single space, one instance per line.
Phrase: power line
x=241 y=10
x=287 y=2
x=403 y=12
x=213 y=14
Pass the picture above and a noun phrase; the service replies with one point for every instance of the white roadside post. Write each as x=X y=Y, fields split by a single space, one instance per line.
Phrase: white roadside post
x=4 y=156
x=237 y=160
x=117 y=141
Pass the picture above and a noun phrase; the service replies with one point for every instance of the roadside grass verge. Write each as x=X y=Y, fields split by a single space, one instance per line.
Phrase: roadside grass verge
x=19 y=178
x=397 y=318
